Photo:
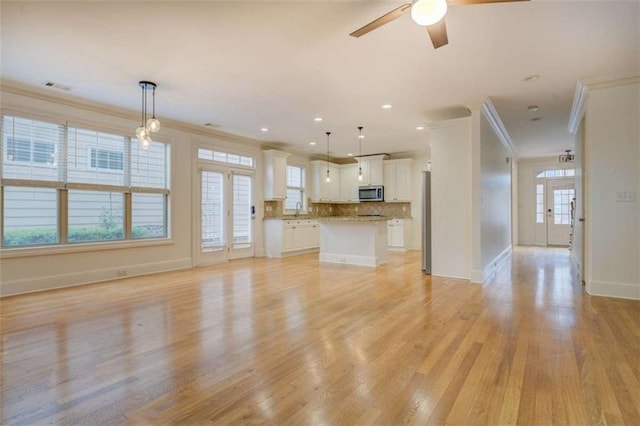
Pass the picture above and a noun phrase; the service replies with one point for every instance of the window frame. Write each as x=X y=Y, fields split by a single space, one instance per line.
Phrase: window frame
x=62 y=185
x=31 y=161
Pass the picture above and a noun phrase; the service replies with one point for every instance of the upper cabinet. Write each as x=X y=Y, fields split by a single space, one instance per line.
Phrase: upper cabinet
x=372 y=169
x=275 y=174
x=321 y=190
x=397 y=180
x=349 y=183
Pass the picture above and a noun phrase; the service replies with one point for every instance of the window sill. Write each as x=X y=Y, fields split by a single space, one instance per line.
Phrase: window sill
x=10 y=253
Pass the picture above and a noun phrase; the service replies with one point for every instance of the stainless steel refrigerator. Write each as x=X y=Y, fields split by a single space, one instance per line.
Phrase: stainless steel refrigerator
x=426 y=222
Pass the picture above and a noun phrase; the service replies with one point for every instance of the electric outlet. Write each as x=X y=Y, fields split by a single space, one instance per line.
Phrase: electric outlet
x=356 y=208
x=404 y=208
x=122 y=272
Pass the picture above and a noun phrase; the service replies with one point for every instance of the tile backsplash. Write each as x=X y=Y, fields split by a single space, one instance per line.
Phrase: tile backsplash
x=273 y=209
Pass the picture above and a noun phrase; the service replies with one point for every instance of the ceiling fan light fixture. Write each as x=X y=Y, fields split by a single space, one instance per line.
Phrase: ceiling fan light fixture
x=428 y=12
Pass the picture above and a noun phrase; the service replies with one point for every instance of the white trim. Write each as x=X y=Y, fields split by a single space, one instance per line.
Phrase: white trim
x=614 y=289
x=448 y=123
x=10 y=288
x=495 y=264
x=578 y=107
x=498 y=126
x=350 y=259
x=582 y=93
x=9 y=253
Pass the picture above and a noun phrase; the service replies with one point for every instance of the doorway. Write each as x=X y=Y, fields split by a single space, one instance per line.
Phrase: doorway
x=225 y=228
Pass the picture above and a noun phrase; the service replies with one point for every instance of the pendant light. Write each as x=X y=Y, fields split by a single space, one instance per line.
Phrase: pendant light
x=360 y=137
x=152 y=125
x=328 y=175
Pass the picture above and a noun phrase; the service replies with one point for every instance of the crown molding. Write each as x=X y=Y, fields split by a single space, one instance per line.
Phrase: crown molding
x=498 y=126
x=578 y=107
x=583 y=87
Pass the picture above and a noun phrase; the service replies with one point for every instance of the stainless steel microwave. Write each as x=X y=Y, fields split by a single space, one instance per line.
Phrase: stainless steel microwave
x=371 y=193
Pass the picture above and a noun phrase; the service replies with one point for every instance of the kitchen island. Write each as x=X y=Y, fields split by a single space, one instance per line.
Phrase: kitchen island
x=353 y=240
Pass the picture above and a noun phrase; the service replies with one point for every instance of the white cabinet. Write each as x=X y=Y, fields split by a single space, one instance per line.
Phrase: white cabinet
x=372 y=169
x=275 y=174
x=397 y=180
x=349 y=183
x=321 y=190
x=286 y=237
x=399 y=234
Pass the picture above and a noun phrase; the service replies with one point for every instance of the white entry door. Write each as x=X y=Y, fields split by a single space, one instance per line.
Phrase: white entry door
x=225 y=223
x=559 y=197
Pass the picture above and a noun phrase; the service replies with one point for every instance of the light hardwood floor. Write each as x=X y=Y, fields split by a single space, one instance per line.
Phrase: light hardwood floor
x=296 y=342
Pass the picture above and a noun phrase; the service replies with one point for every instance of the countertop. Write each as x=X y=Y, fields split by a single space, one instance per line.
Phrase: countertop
x=336 y=218
x=354 y=218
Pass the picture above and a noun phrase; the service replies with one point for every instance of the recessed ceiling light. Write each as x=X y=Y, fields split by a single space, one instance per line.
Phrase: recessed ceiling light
x=318 y=119
x=387 y=106
x=264 y=129
x=350 y=154
x=312 y=143
x=533 y=108
x=532 y=77
x=420 y=128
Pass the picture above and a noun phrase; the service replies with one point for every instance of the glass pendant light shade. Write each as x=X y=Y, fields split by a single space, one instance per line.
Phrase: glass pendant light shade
x=145 y=143
x=153 y=124
x=428 y=12
x=141 y=132
x=360 y=174
x=328 y=179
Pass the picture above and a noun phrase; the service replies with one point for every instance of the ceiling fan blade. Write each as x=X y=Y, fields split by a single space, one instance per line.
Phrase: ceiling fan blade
x=463 y=2
x=438 y=34
x=384 y=19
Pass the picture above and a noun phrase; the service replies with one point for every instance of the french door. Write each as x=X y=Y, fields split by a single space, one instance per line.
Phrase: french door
x=225 y=222
x=559 y=197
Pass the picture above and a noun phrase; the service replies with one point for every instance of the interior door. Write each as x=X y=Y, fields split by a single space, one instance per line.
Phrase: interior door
x=559 y=197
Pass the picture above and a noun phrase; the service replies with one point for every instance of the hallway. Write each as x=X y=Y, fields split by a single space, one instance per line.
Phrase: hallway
x=293 y=341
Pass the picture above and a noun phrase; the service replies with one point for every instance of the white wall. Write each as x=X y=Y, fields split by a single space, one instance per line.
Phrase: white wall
x=612 y=153
x=44 y=269
x=495 y=226
x=451 y=198
x=578 y=231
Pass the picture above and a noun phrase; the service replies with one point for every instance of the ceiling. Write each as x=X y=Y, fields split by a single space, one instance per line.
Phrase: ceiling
x=243 y=66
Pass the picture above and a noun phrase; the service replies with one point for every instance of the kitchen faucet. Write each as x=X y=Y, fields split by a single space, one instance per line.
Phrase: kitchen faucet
x=298 y=207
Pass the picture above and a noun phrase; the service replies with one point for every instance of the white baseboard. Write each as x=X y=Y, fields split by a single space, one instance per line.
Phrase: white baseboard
x=614 y=289
x=350 y=259
x=10 y=288
x=292 y=253
x=495 y=264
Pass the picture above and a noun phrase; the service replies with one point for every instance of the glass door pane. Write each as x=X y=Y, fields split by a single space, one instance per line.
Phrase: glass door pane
x=242 y=201
x=213 y=234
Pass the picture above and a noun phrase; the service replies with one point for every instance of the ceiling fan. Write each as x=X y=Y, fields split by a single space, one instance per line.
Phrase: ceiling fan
x=428 y=13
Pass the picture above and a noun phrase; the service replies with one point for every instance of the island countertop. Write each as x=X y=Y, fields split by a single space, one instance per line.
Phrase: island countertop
x=354 y=218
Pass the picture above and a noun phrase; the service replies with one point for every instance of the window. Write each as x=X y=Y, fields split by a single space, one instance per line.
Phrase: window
x=562 y=206
x=295 y=189
x=556 y=173
x=223 y=157
x=539 y=203
x=107 y=186
x=106 y=160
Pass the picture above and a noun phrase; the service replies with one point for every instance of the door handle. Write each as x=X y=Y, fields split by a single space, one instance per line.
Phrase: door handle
x=581 y=219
